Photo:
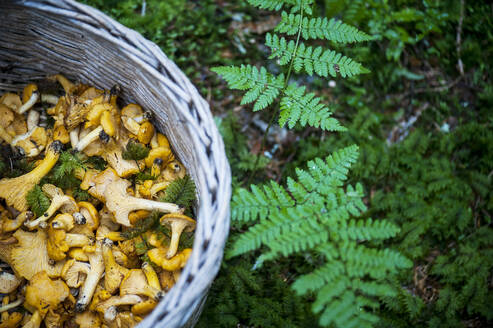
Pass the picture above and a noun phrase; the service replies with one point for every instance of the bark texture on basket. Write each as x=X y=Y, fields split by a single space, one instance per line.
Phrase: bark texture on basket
x=44 y=37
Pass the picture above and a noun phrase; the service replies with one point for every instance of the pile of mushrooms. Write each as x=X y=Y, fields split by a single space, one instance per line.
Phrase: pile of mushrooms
x=71 y=266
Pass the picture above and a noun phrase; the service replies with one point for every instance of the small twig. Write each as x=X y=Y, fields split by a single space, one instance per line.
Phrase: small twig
x=458 y=40
x=143 y=9
x=286 y=81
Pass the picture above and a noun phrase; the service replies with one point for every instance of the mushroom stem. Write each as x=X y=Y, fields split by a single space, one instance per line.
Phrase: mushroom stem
x=32 y=119
x=50 y=99
x=77 y=240
x=14 y=190
x=114 y=272
x=30 y=103
x=74 y=137
x=12 y=305
x=122 y=204
x=11 y=225
x=176 y=230
x=151 y=275
x=88 y=139
x=92 y=279
x=35 y=321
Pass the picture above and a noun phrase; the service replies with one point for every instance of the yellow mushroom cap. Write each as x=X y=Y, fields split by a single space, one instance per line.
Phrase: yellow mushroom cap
x=6 y=116
x=143 y=308
x=11 y=100
x=28 y=91
x=158 y=256
x=90 y=213
x=31 y=256
x=42 y=293
x=146 y=131
x=158 y=152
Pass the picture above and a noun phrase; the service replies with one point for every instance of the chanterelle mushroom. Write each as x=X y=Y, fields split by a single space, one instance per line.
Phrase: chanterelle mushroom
x=114 y=273
x=8 y=225
x=8 y=282
x=178 y=223
x=10 y=320
x=121 y=204
x=92 y=279
x=59 y=242
x=74 y=273
x=29 y=97
x=135 y=283
x=108 y=307
x=113 y=155
x=158 y=256
x=88 y=319
x=31 y=256
x=43 y=294
x=14 y=190
x=58 y=201
x=124 y=320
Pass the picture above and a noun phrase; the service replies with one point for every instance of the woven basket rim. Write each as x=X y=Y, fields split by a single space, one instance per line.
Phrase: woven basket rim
x=187 y=296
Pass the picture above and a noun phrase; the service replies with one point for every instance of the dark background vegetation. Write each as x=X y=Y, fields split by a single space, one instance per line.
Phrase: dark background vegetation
x=422 y=119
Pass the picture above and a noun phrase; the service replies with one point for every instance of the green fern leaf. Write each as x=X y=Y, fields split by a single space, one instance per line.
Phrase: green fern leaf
x=296 y=5
x=319 y=60
x=320 y=28
x=296 y=106
x=263 y=87
x=135 y=151
x=180 y=192
x=316 y=214
x=38 y=202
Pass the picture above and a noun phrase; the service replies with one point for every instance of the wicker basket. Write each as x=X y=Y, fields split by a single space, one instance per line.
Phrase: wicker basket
x=40 y=38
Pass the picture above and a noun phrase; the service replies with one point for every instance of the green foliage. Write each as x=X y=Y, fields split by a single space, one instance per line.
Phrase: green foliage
x=135 y=151
x=149 y=223
x=296 y=5
x=304 y=108
x=434 y=181
x=144 y=175
x=263 y=87
x=322 y=62
x=81 y=195
x=63 y=173
x=255 y=298
x=180 y=192
x=320 y=28
x=38 y=202
x=240 y=158
x=316 y=214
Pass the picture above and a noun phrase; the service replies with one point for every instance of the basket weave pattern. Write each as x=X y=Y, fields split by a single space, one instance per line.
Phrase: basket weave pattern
x=44 y=37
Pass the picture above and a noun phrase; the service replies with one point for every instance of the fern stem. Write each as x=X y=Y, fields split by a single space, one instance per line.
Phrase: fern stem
x=271 y=121
x=295 y=48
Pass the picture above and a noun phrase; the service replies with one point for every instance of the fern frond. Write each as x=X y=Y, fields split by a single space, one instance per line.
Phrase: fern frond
x=135 y=151
x=263 y=87
x=319 y=60
x=276 y=5
x=38 y=202
x=316 y=213
x=296 y=106
x=320 y=28
x=180 y=192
